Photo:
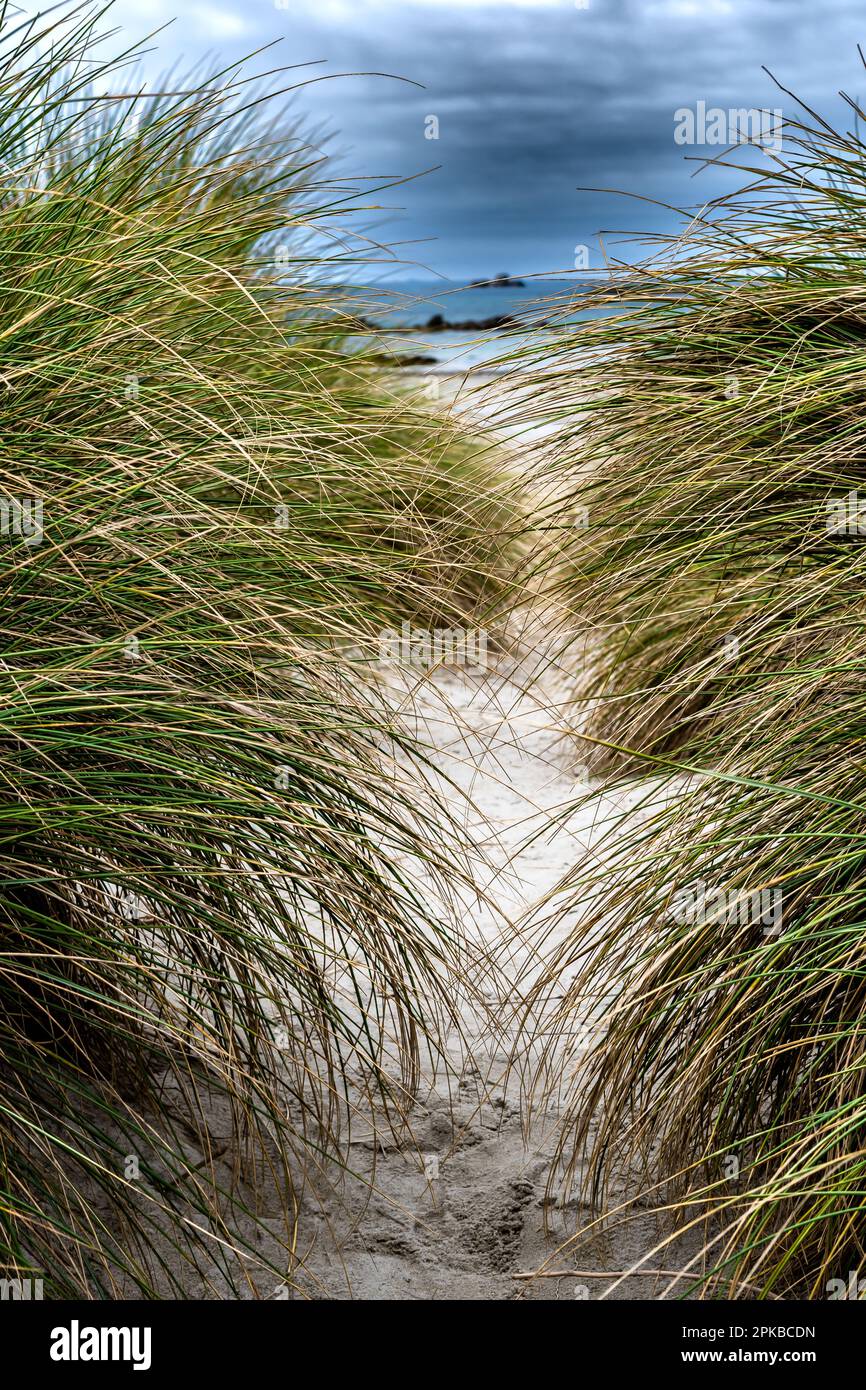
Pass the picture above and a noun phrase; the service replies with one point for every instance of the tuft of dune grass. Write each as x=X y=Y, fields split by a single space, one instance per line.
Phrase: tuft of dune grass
x=216 y=878
x=719 y=945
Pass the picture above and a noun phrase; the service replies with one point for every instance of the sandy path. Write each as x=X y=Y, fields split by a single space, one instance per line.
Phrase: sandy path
x=475 y=1217
x=466 y=1208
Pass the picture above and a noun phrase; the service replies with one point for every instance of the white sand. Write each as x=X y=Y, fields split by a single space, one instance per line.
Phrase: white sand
x=477 y=1218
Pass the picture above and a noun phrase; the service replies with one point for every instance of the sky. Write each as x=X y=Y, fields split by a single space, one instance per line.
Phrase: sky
x=531 y=103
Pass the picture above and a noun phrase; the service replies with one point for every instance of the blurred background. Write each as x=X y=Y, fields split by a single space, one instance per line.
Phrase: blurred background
x=535 y=99
x=498 y=137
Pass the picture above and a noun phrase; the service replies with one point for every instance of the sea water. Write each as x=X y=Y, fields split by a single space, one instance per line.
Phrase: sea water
x=412 y=303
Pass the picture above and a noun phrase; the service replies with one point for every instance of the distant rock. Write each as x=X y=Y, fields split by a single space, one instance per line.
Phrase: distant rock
x=502 y=281
x=438 y=324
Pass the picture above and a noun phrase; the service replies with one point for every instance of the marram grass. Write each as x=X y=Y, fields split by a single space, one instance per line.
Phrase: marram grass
x=717 y=588
x=215 y=934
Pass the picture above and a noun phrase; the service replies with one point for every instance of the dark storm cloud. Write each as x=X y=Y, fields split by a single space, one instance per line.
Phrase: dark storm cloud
x=533 y=101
